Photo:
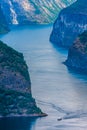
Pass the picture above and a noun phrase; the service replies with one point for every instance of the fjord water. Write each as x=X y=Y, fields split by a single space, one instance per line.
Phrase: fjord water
x=59 y=92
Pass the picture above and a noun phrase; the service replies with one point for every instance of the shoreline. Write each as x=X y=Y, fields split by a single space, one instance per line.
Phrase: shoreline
x=25 y=115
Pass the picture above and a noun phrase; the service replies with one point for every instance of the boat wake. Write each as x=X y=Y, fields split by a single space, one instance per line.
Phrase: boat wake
x=67 y=114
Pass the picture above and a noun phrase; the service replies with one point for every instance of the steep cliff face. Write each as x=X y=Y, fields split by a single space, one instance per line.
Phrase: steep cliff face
x=3 y=24
x=32 y=11
x=70 y=22
x=15 y=87
x=77 y=56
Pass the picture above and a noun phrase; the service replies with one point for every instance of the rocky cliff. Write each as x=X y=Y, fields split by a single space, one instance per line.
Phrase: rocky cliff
x=3 y=24
x=77 y=55
x=70 y=22
x=15 y=87
x=32 y=11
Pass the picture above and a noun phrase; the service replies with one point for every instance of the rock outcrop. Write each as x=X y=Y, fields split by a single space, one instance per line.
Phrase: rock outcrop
x=32 y=11
x=3 y=24
x=71 y=22
x=77 y=55
x=15 y=86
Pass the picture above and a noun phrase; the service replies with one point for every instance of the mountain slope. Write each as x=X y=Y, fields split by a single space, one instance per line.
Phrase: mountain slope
x=77 y=55
x=70 y=22
x=32 y=11
x=3 y=24
x=15 y=87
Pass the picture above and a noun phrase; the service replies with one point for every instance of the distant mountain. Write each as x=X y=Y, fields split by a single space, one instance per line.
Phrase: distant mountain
x=3 y=24
x=70 y=22
x=32 y=11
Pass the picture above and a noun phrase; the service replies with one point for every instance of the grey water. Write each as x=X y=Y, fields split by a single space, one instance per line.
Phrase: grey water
x=59 y=92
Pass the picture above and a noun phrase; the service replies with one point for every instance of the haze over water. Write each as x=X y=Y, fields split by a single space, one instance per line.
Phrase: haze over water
x=59 y=92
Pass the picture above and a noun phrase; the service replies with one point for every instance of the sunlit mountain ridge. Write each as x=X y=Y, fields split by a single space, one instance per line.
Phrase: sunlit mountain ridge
x=32 y=11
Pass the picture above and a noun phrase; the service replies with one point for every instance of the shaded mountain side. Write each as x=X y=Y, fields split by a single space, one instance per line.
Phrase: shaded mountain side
x=71 y=22
x=15 y=86
x=77 y=55
x=3 y=24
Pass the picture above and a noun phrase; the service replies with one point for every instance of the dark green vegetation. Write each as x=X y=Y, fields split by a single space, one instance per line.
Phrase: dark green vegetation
x=83 y=37
x=12 y=60
x=13 y=103
x=81 y=43
x=77 y=55
x=3 y=24
x=15 y=87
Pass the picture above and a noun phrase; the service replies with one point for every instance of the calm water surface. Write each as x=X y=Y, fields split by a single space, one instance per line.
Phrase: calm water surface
x=59 y=92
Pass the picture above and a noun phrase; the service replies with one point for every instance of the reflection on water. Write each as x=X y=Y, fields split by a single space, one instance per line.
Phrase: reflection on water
x=59 y=92
x=19 y=123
